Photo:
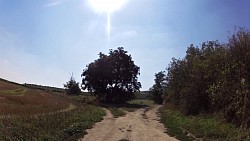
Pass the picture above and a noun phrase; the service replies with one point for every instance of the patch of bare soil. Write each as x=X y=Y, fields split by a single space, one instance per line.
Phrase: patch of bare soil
x=141 y=125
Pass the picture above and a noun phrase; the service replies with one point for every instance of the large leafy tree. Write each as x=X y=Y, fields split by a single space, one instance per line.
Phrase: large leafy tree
x=113 y=77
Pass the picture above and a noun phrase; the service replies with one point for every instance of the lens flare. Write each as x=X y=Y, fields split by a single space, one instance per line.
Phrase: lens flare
x=107 y=7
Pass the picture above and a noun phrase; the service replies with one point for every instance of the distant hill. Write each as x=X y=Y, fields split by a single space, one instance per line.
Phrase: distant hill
x=48 y=88
x=4 y=80
x=35 y=86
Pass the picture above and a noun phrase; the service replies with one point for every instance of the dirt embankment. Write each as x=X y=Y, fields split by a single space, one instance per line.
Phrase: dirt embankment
x=141 y=125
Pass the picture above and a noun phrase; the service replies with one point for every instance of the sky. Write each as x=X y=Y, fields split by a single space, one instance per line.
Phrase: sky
x=46 y=41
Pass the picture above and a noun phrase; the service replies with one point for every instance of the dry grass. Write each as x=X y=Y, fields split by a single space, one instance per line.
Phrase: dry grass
x=35 y=114
x=68 y=125
x=36 y=101
x=18 y=100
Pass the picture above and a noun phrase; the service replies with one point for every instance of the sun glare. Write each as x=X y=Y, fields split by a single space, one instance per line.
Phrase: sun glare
x=108 y=6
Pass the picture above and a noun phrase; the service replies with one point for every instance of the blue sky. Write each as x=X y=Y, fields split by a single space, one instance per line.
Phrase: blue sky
x=45 y=41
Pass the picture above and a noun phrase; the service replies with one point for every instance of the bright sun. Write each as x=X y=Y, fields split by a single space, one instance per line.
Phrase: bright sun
x=108 y=6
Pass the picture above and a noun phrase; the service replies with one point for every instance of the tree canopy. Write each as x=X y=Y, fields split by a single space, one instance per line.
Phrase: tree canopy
x=112 y=77
x=213 y=78
x=159 y=87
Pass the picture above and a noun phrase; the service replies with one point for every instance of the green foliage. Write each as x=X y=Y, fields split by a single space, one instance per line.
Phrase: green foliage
x=133 y=105
x=113 y=77
x=213 y=78
x=174 y=122
x=202 y=126
x=157 y=91
x=142 y=102
x=117 y=112
x=72 y=87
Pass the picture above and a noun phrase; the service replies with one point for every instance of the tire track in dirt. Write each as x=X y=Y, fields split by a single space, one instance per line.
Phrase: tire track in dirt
x=141 y=125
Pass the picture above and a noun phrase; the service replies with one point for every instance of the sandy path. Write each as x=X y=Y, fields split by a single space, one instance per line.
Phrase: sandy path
x=141 y=125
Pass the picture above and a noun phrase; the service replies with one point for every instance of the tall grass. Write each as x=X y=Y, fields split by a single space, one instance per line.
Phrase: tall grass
x=202 y=126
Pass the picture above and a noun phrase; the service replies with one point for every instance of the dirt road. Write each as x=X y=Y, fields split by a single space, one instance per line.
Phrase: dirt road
x=141 y=125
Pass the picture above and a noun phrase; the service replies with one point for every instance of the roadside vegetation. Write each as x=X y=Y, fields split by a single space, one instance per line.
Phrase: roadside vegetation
x=210 y=89
x=205 y=127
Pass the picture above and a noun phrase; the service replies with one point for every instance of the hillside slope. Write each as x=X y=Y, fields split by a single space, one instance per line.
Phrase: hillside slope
x=15 y=99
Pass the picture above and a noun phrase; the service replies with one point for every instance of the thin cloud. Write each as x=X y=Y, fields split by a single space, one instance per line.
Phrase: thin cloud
x=54 y=3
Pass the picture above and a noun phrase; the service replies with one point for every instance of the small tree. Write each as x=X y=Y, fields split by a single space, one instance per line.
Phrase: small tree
x=72 y=87
x=158 y=88
x=113 y=77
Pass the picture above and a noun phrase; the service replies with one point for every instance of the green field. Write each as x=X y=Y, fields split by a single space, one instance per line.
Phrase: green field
x=31 y=113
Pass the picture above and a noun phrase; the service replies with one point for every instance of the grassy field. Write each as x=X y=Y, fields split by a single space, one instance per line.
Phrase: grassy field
x=188 y=128
x=19 y=100
x=35 y=114
x=69 y=125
